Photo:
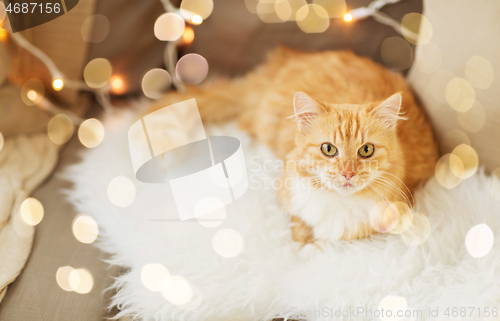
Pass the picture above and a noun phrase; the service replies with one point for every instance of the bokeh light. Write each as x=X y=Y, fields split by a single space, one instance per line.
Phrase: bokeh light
x=62 y=277
x=121 y=191
x=169 y=27
x=414 y=24
x=396 y=53
x=200 y=8
x=227 y=242
x=191 y=69
x=85 y=228
x=283 y=10
x=60 y=129
x=179 y=291
x=32 y=92
x=479 y=240
x=446 y=167
x=97 y=73
x=479 y=72
x=31 y=211
x=457 y=167
x=418 y=232
x=57 y=84
x=188 y=35
x=117 y=85
x=438 y=83
x=216 y=212
x=433 y=58
x=266 y=10
x=348 y=17
x=81 y=281
x=405 y=217
x=452 y=139
x=252 y=5
x=156 y=82
x=474 y=119
x=312 y=18
x=1 y=141
x=334 y=8
x=155 y=277
x=384 y=217
x=460 y=94
x=394 y=304
x=494 y=184
x=469 y=159
x=295 y=5
x=95 y=28
x=91 y=133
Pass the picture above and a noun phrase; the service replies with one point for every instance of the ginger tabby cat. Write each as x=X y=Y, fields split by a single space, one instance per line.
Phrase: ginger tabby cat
x=357 y=137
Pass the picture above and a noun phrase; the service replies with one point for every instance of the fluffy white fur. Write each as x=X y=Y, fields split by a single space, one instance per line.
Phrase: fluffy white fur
x=273 y=275
x=330 y=213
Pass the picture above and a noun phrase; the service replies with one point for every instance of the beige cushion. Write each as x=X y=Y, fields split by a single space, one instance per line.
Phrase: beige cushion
x=462 y=29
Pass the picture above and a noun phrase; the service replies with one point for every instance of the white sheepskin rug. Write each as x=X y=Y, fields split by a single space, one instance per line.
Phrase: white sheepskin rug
x=271 y=276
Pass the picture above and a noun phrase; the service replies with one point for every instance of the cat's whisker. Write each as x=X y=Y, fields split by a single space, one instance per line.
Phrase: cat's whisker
x=393 y=186
x=409 y=192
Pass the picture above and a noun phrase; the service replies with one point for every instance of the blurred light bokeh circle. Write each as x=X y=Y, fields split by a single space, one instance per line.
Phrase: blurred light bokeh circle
x=32 y=92
x=416 y=28
x=396 y=53
x=95 y=28
x=169 y=27
x=202 y=8
x=334 y=8
x=85 y=228
x=479 y=72
x=60 y=129
x=156 y=82
x=97 y=73
x=312 y=18
x=191 y=69
x=31 y=211
x=91 y=133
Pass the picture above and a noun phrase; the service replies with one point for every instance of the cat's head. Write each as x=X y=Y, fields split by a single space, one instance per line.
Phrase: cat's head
x=346 y=148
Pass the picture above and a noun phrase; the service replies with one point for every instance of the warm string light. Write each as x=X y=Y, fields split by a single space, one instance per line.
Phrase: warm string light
x=58 y=84
x=117 y=85
x=32 y=95
x=114 y=84
x=99 y=79
x=3 y=34
x=196 y=19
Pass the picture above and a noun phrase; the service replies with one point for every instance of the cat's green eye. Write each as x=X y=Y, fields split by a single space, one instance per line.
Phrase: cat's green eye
x=366 y=150
x=328 y=149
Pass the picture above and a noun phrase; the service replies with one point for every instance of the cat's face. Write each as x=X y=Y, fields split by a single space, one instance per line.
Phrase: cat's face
x=346 y=148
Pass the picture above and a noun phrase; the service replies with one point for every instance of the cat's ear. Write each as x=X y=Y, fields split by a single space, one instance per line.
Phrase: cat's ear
x=306 y=109
x=388 y=110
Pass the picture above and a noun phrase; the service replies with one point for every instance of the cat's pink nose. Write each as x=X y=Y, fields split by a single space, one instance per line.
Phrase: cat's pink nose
x=348 y=175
